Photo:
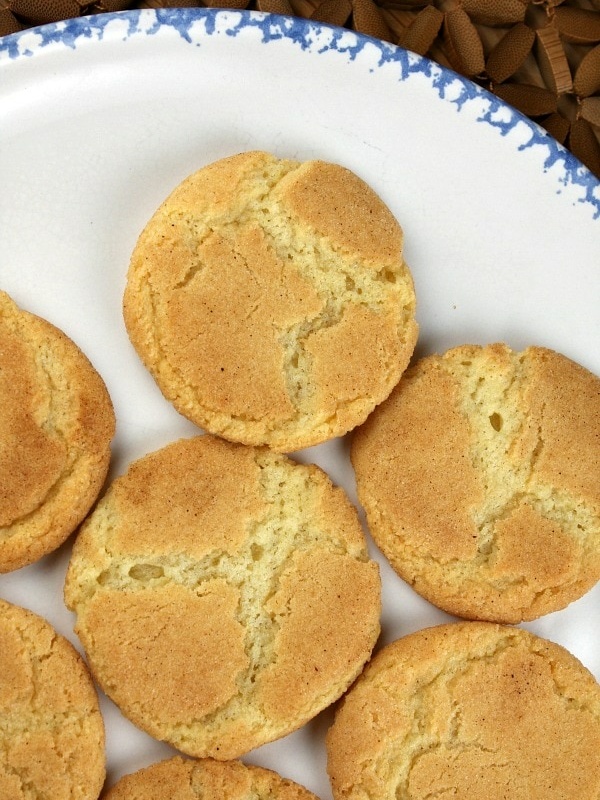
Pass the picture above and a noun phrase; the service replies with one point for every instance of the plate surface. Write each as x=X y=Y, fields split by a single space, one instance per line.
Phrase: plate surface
x=101 y=117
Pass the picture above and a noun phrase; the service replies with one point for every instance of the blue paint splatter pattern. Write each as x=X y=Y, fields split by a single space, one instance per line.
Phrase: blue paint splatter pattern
x=193 y=24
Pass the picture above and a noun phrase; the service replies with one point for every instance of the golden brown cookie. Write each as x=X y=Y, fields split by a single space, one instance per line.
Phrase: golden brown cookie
x=56 y=424
x=469 y=710
x=270 y=300
x=479 y=477
x=224 y=595
x=51 y=730
x=181 y=779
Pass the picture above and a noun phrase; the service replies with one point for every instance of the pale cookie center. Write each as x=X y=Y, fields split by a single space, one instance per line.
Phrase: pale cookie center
x=339 y=280
x=504 y=452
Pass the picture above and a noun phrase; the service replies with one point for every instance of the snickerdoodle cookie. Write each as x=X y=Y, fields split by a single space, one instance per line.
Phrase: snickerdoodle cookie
x=479 y=477
x=469 y=710
x=56 y=425
x=224 y=595
x=51 y=731
x=182 y=779
x=270 y=300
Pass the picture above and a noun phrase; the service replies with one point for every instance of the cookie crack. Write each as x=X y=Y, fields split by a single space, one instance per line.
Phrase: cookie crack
x=27 y=787
x=586 y=703
x=27 y=724
x=347 y=283
x=50 y=424
x=395 y=763
x=274 y=541
x=339 y=280
x=509 y=483
x=252 y=611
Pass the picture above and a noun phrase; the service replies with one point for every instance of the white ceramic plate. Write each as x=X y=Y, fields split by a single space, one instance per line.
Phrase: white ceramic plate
x=101 y=117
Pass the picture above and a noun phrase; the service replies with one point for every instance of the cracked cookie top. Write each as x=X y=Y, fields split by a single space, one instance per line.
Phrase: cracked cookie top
x=479 y=477
x=51 y=730
x=471 y=710
x=56 y=425
x=270 y=300
x=206 y=779
x=223 y=594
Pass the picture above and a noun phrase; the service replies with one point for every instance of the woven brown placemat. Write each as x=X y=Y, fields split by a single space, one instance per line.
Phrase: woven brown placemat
x=541 y=56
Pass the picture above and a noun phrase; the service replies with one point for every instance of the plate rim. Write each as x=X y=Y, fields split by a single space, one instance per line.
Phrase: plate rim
x=193 y=24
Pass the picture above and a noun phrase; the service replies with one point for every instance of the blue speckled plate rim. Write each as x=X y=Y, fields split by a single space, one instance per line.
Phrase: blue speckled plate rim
x=315 y=38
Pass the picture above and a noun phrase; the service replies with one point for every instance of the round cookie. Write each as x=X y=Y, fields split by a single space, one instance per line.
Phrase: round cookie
x=270 y=300
x=56 y=426
x=224 y=595
x=51 y=730
x=469 y=710
x=479 y=477
x=181 y=779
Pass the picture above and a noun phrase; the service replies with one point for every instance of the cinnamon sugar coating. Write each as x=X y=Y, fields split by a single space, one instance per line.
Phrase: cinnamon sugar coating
x=206 y=779
x=470 y=709
x=56 y=425
x=270 y=300
x=51 y=730
x=479 y=477
x=224 y=595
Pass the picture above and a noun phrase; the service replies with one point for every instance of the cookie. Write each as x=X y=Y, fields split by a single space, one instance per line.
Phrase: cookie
x=209 y=779
x=56 y=426
x=51 y=730
x=270 y=300
x=469 y=710
x=479 y=477
x=223 y=594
